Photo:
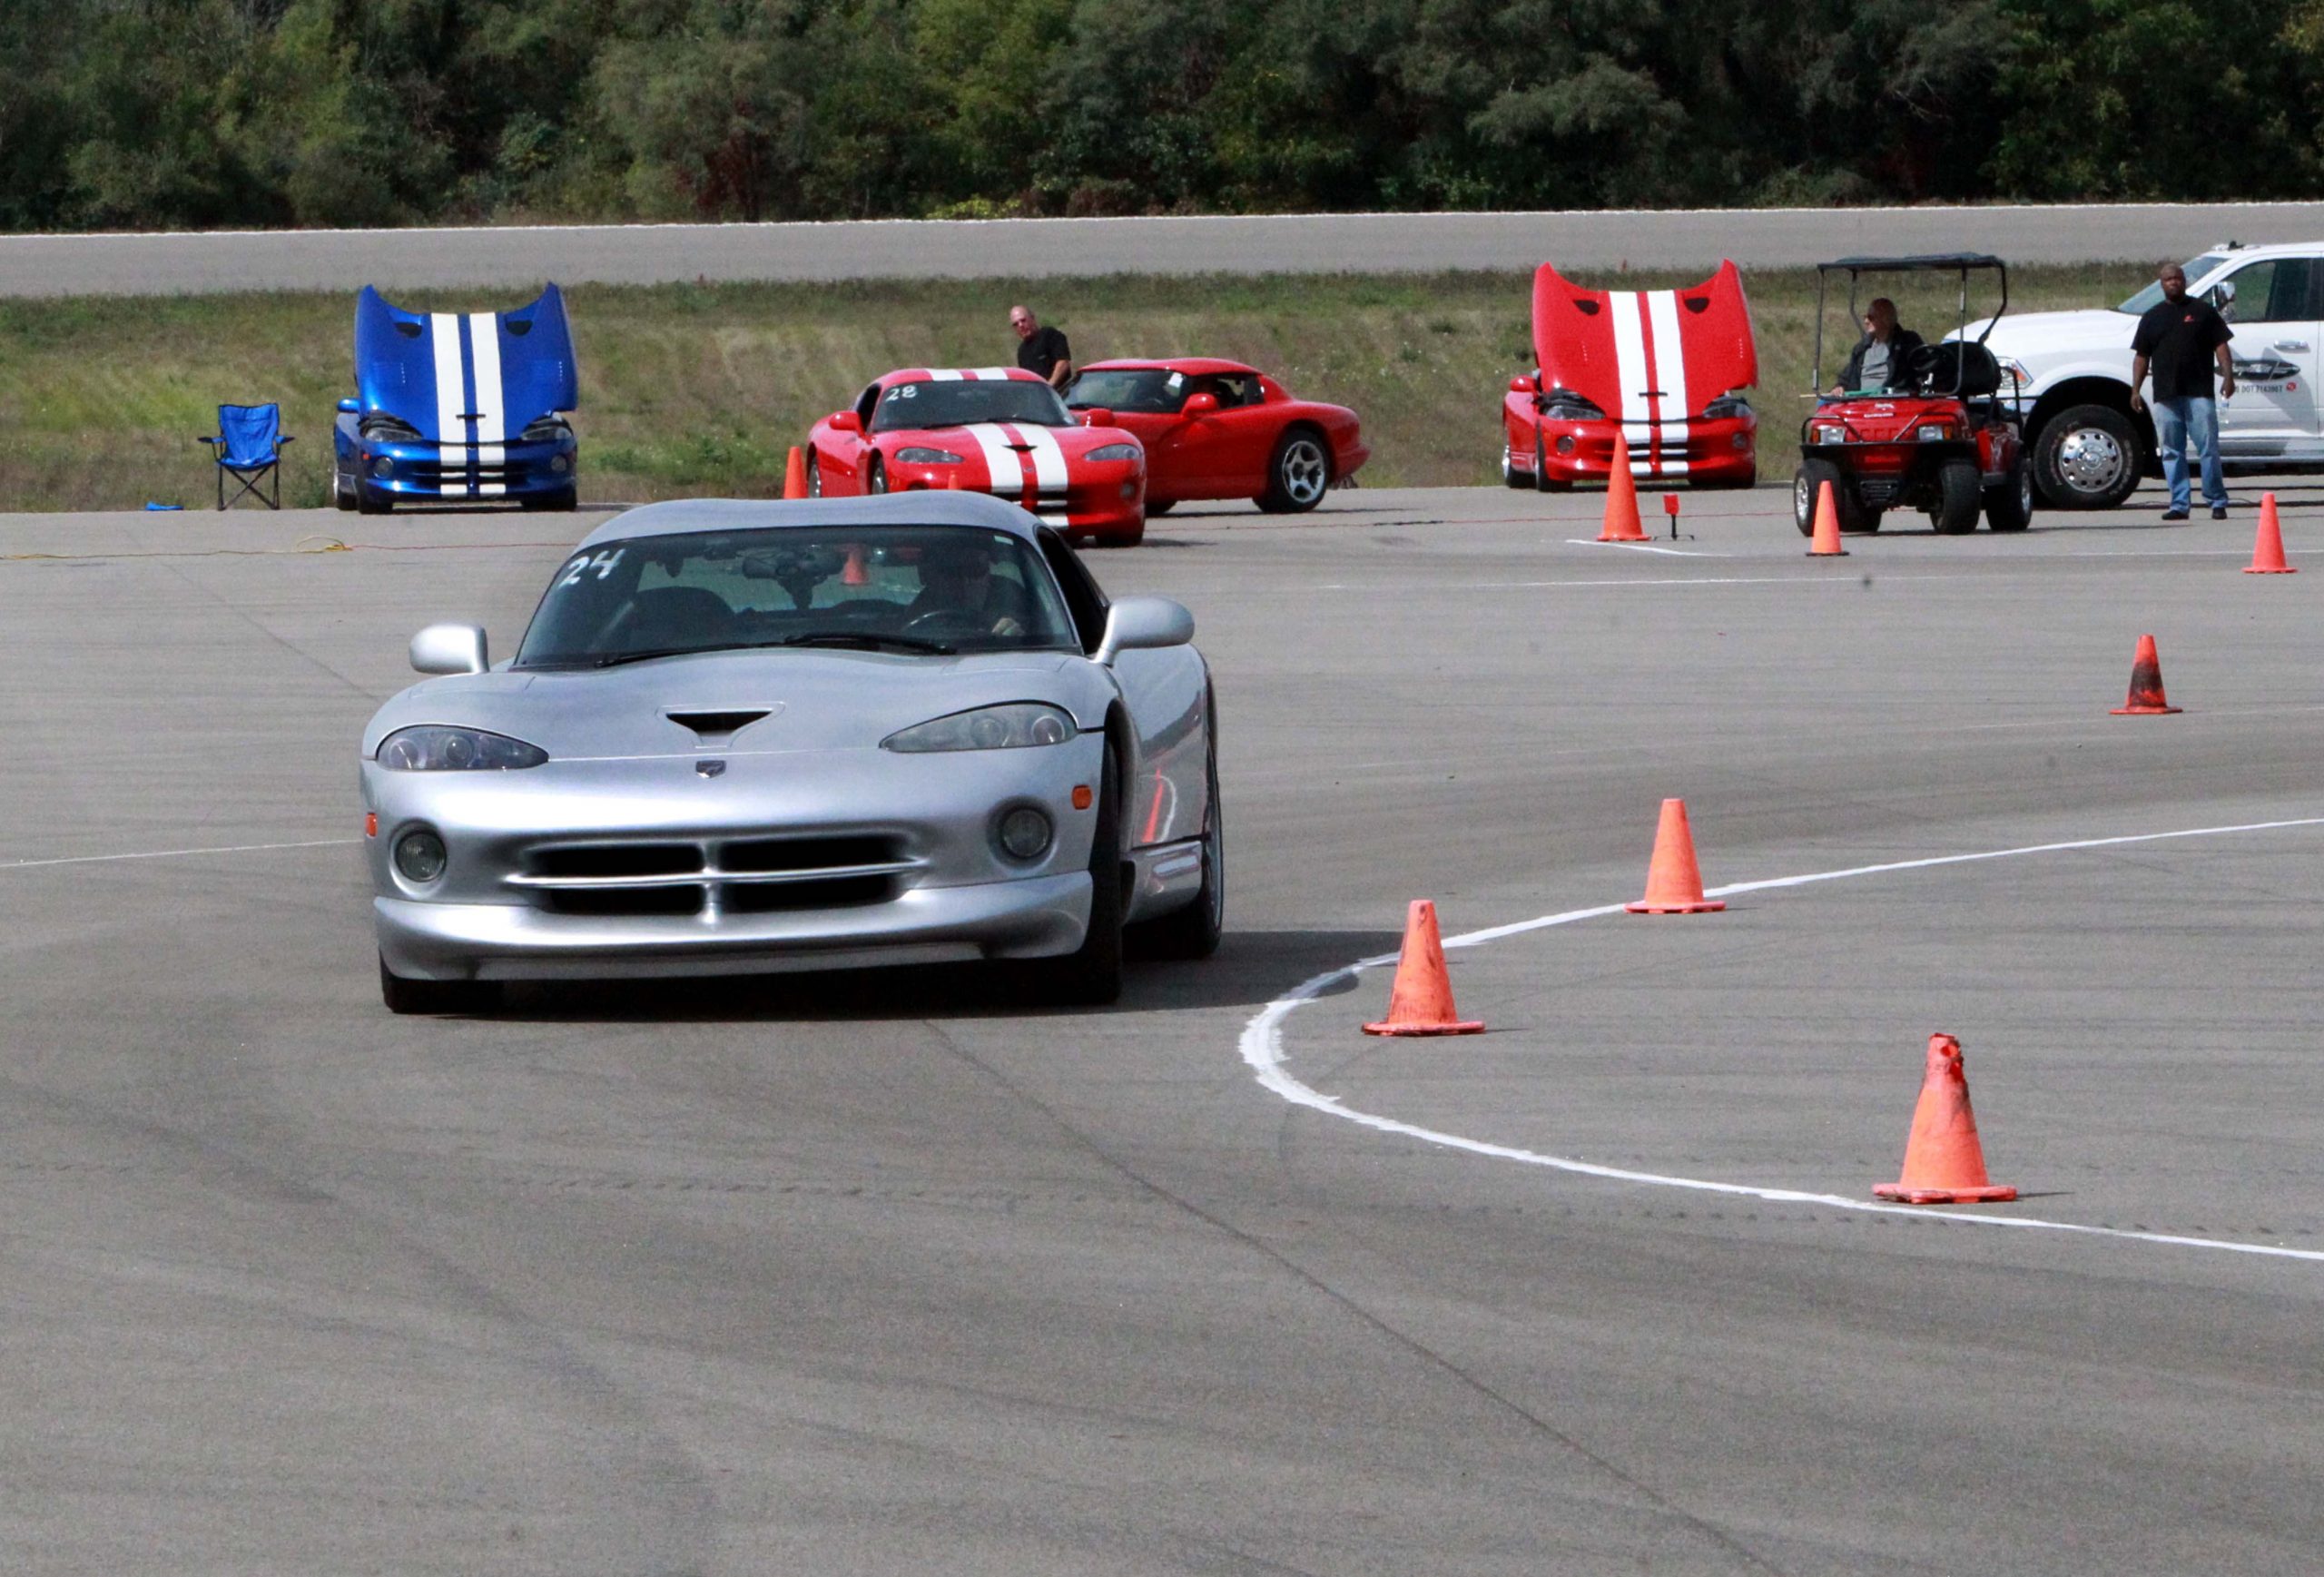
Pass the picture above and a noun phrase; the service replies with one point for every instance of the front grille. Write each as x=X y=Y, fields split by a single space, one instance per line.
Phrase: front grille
x=1879 y=492
x=742 y=877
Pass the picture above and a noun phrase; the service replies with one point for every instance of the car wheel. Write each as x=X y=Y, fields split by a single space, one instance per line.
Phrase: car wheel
x=1511 y=477
x=1808 y=481
x=341 y=496
x=2086 y=457
x=367 y=502
x=814 y=478
x=1959 y=494
x=1299 y=473
x=2009 y=507
x=408 y=996
x=875 y=477
x=1091 y=975
x=1194 y=931
x=1164 y=507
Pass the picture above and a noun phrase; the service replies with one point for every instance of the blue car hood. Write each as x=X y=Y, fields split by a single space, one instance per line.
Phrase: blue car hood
x=476 y=378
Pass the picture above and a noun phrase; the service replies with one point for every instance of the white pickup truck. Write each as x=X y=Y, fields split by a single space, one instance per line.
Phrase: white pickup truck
x=2072 y=372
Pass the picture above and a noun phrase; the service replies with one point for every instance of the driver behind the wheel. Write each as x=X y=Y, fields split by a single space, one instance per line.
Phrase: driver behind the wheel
x=1877 y=362
x=956 y=582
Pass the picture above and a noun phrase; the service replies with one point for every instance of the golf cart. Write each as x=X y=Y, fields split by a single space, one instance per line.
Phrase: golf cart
x=1938 y=439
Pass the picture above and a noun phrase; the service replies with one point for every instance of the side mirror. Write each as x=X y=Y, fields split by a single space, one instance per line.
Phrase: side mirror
x=1142 y=622
x=1097 y=416
x=351 y=405
x=450 y=649
x=846 y=422
x=1201 y=404
x=1521 y=384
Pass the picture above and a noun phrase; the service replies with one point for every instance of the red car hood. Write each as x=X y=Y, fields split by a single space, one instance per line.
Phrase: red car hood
x=1645 y=356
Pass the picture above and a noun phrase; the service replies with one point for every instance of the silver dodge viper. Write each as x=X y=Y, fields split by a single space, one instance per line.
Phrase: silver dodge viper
x=742 y=737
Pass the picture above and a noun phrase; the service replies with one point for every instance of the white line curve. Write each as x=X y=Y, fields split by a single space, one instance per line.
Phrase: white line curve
x=1262 y=1048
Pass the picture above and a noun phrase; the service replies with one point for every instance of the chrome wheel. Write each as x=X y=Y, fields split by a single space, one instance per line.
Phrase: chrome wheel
x=2091 y=461
x=875 y=479
x=1304 y=472
x=815 y=480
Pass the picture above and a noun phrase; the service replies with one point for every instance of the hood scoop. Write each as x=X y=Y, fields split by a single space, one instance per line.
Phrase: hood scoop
x=712 y=728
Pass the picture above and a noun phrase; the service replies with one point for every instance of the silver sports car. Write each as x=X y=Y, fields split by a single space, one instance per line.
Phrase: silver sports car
x=754 y=736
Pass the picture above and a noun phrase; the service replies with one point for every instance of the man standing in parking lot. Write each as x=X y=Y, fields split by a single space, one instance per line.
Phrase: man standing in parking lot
x=1040 y=349
x=2181 y=337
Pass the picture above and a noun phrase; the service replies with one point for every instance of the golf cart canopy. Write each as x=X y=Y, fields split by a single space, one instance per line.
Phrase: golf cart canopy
x=1929 y=262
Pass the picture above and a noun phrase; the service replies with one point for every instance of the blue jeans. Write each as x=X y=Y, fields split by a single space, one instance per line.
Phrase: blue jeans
x=2175 y=422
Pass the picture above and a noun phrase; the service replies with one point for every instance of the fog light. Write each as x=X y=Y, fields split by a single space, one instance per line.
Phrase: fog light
x=383 y=466
x=419 y=857
x=1129 y=490
x=1741 y=442
x=1025 y=834
x=559 y=464
x=1565 y=444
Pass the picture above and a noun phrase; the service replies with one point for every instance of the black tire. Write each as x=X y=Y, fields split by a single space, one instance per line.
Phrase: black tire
x=2010 y=505
x=341 y=496
x=1511 y=477
x=564 y=498
x=1809 y=480
x=814 y=478
x=1194 y=931
x=1164 y=507
x=1960 y=492
x=1299 y=472
x=367 y=502
x=875 y=476
x=2086 y=457
x=406 y=996
x=1542 y=481
x=1091 y=975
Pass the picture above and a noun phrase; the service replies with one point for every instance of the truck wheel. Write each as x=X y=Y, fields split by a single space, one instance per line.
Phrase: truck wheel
x=2086 y=457
x=1959 y=493
x=2010 y=505
x=1808 y=481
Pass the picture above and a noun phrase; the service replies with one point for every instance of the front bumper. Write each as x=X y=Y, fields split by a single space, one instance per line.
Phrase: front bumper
x=1724 y=450
x=427 y=470
x=1033 y=916
x=1108 y=499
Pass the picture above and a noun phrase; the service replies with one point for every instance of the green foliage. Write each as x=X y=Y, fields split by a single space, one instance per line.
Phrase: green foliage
x=190 y=112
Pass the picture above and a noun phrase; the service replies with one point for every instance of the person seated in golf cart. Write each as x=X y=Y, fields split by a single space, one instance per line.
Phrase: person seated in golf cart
x=1877 y=362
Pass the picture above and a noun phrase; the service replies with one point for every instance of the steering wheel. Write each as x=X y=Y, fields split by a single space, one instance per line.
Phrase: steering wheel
x=946 y=621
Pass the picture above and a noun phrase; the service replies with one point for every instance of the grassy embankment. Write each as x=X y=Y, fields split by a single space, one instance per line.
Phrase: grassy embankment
x=699 y=390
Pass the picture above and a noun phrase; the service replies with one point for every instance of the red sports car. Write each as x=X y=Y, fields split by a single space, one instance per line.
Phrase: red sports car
x=1664 y=368
x=1219 y=429
x=985 y=429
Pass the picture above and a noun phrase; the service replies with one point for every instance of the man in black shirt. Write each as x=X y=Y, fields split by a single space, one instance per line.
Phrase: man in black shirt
x=2181 y=337
x=1040 y=349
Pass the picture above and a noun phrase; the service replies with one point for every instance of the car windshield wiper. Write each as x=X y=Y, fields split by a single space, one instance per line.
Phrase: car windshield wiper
x=859 y=640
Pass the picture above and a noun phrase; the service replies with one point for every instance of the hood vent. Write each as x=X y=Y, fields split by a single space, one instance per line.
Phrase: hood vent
x=716 y=728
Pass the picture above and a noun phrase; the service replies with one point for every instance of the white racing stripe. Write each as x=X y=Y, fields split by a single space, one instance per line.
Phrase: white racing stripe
x=1001 y=461
x=451 y=390
x=491 y=400
x=990 y=374
x=1263 y=1052
x=943 y=375
x=1669 y=362
x=1630 y=364
x=1049 y=474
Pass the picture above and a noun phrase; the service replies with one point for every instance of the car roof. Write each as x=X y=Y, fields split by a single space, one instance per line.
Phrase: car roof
x=1920 y=262
x=958 y=374
x=918 y=506
x=1195 y=365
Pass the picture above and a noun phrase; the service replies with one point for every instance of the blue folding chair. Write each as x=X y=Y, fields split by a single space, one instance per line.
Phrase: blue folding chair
x=249 y=448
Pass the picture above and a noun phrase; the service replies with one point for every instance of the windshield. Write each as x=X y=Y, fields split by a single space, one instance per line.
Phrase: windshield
x=2197 y=267
x=1142 y=388
x=918 y=589
x=905 y=406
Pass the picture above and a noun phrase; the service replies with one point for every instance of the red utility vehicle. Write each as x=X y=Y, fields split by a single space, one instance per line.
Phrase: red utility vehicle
x=1219 y=429
x=1938 y=439
x=1663 y=369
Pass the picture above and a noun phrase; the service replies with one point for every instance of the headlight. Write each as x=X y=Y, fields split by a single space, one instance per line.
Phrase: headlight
x=2014 y=374
x=1827 y=432
x=917 y=456
x=547 y=430
x=1934 y=432
x=1565 y=405
x=1012 y=725
x=381 y=427
x=433 y=748
x=1115 y=452
x=1726 y=408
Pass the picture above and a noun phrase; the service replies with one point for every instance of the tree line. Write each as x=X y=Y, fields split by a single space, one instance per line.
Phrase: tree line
x=188 y=113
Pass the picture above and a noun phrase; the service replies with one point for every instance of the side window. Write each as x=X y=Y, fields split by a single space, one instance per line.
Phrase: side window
x=2275 y=291
x=1082 y=598
x=866 y=404
x=1235 y=389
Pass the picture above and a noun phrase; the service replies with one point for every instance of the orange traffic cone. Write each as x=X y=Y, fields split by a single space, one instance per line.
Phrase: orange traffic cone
x=1674 y=885
x=1943 y=1162
x=1826 y=541
x=855 y=573
x=1621 y=500
x=1420 y=1000
x=794 y=475
x=2267 y=551
x=2146 y=697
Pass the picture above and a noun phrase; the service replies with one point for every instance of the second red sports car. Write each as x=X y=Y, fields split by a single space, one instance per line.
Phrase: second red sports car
x=987 y=429
x=1219 y=429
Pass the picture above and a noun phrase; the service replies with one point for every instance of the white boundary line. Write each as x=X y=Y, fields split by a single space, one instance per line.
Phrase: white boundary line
x=1644 y=548
x=1262 y=1048
x=174 y=853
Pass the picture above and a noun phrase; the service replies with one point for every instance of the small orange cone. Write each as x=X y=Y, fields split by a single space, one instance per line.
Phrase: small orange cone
x=1674 y=885
x=1621 y=500
x=855 y=573
x=2146 y=697
x=1420 y=1000
x=1943 y=1162
x=2268 y=550
x=1826 y=541
x=794 y=475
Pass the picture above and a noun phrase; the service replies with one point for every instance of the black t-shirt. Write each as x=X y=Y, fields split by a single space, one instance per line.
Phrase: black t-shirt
x=1042 y=349
x=2178 y=338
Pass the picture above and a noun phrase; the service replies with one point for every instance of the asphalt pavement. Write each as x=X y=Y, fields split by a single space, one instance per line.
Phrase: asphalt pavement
x=519 y=257
x=890 y=1272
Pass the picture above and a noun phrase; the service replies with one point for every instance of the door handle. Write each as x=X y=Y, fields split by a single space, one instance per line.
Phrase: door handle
x=2292 y=345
